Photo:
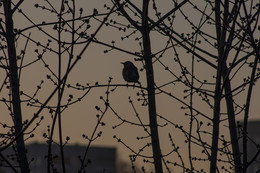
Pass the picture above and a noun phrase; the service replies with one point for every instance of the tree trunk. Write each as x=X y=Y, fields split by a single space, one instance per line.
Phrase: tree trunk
x=15 y=90
x=216 y=113
x=157 y=156
x=232 y=121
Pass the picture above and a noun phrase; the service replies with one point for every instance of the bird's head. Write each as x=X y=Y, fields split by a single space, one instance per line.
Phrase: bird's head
x=127 y=63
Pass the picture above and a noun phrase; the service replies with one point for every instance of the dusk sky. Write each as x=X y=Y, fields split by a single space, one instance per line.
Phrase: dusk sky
x=96 y=66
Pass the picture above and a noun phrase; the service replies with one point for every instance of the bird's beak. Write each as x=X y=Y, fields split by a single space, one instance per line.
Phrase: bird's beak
x=122 y=63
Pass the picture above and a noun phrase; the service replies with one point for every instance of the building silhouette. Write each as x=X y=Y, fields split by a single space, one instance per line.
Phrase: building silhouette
x=99 y=159
x=253 y=146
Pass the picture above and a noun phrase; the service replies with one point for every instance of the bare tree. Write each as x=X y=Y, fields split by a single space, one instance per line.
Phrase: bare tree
x=13 y=65
x=200 y=64
x=234 y=44
x=14 y=85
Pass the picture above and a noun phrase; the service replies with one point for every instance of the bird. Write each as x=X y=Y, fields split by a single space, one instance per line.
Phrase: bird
x=130 y=72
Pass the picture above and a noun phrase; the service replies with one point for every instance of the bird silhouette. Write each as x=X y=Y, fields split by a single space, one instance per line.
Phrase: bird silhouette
x=130 y=72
